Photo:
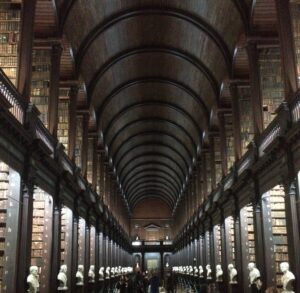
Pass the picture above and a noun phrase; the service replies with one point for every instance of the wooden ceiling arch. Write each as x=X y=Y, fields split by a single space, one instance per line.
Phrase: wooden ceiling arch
x=153 y=72
x=195 y=21
x=154 y=173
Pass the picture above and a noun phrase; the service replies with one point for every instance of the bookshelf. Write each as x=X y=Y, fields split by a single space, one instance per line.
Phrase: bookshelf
x=66 y=235
x=78 y=142
x=41 y=65
x=4 y=190
x=218 y=244
x=92 y=245
x=218 y=165
x=249 y=231
x=10 y=16
x=10 y=183
x=63 y=120
x=294 y=10
x=246 y=117
x=89 y=175
x=272 y=88
x=41 y=235
x=207 y=248
x=275 y=204
x=229 y=222
x=81 y=241
x=208 y=174
x=229 y=140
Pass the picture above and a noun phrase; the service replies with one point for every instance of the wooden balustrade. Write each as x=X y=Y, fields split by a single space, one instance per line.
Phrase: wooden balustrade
x=10 y=93
x=268 y=136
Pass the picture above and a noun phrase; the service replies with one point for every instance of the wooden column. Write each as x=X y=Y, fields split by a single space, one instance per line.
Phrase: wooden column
x=72 y=122
x=238 y=250
x=56 y=239
x=225 y=249
x=97 y=251
x=25 y=49
x=256 y=99
x=259 y=232
x=74 y=249
x=26 y=212
x=287 y=49
x=236 y=122
x=54 y=89
x=87 y=245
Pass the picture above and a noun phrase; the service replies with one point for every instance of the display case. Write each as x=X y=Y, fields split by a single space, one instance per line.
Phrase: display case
x=10 y=17
x=9 y=219
x=41 y=65
x=42 y=236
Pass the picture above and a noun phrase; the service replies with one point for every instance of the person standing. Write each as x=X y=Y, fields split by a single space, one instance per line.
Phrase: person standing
x=154 y=283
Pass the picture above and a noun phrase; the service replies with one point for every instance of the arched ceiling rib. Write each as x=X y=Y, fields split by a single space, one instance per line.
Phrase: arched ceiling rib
x=153 y=70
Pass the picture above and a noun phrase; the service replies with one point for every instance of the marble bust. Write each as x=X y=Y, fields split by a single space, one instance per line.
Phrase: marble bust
x=195 y=271
x=201 y=271
x=62 y=278
x=232 y=274
x=219 y=273
x=91 y=274
x=254 y=277
x=33 y=280
x=101 y=274
x=288 y=278
x=208 y=272
x=107 y=273
x=79 y=275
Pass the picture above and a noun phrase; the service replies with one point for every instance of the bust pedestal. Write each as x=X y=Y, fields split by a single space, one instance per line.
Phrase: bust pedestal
x=234 y=288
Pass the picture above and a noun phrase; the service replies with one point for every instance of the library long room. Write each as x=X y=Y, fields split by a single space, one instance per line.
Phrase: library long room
x=150 y=146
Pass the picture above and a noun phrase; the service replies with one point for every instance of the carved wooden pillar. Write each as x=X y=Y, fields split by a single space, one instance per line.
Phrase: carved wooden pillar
x=259 y=231
x=238 y=247
x=87 y=240
x=26 y=212
x=25 y=50
x=236 y=121
x=256 y=99
x=74 y=248
x=54 y=88
x=72 y=122
x=56 y=237
x=225 y=249
x=287 y=48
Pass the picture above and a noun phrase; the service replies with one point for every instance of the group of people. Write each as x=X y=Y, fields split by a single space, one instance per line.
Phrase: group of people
x=142 y=283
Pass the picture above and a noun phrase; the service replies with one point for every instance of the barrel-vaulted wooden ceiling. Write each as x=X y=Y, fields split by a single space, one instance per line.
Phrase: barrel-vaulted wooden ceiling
x=153 y=71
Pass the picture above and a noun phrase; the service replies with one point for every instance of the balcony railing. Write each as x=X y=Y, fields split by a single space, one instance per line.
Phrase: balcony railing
x=295 y=109
x=10 y=93
x=268 y=136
